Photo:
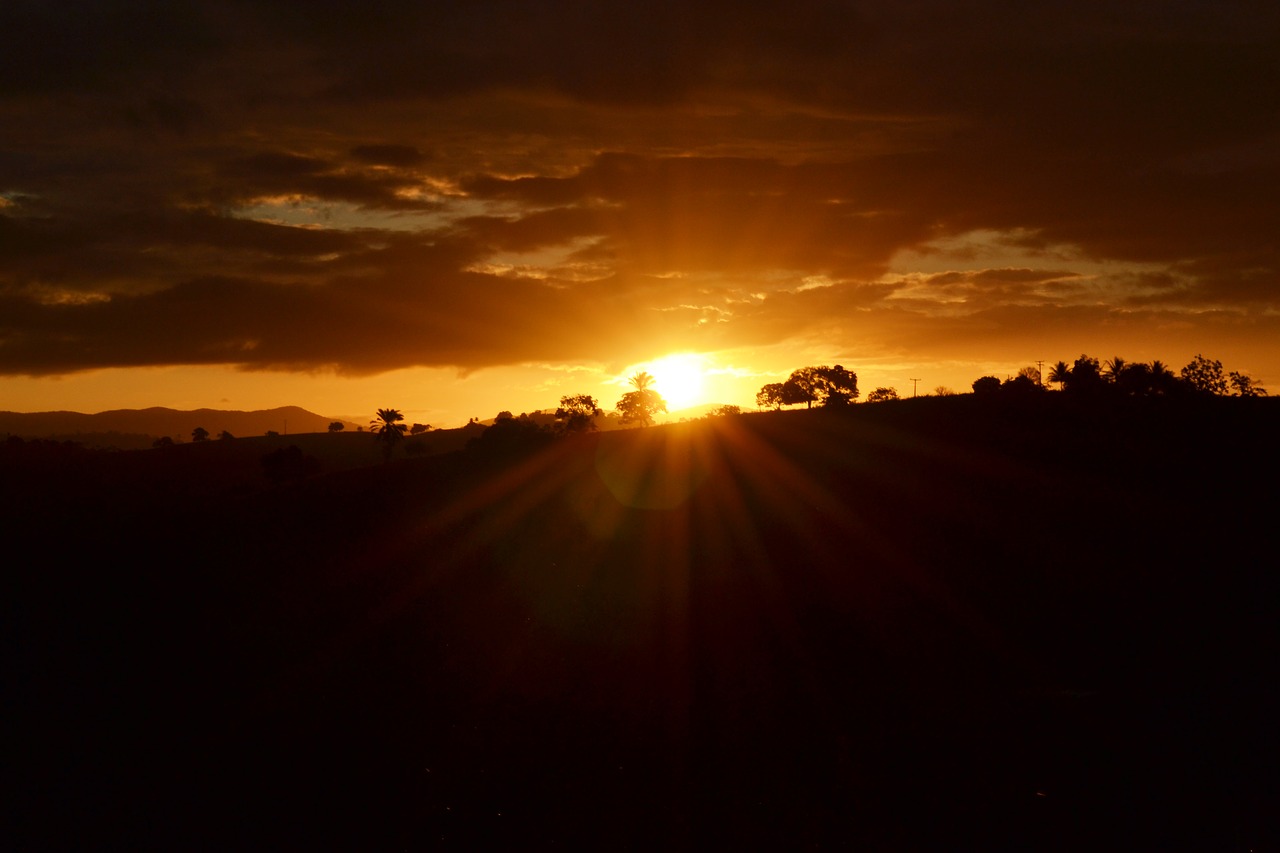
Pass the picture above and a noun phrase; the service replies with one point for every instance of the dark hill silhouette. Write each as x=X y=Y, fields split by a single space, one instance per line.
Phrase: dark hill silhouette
x=943 y=623
x=68 y=477
x=135 y=428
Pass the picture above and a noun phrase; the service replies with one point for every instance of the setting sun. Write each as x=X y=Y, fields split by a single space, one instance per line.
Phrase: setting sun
x=679 y=378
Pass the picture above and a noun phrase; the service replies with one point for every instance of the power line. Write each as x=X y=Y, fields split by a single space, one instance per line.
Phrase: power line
x=913 y=386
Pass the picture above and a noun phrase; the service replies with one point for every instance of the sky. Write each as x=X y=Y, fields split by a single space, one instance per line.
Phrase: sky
x=458 y=208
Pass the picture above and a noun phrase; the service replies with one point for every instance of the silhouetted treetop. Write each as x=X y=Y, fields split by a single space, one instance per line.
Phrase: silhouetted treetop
x=1059 y=373
x=1085 y=376
x=827 y=386
x=986 y=385
x=806 y=383
x=1205 y=376
x=1020 y=385
x=839 y=386
x=771 y=396
x=882 y=394
x=577 y=413
x=641 y=380
x=509 y=435
x=1245 y=386
x=388 y=427
x=641 y=405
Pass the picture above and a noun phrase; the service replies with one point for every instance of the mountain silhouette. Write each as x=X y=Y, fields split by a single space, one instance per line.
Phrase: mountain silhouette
x=126 y=428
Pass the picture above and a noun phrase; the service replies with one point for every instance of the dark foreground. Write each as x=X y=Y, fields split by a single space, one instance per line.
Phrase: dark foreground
x=926 y=626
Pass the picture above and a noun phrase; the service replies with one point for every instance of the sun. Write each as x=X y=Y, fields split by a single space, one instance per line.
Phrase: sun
x=679 y=378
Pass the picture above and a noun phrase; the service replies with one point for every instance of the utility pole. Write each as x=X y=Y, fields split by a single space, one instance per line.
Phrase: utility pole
x=1040 y=373
x=913 y=387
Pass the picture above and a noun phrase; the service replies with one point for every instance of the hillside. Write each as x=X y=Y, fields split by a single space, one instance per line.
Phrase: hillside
x=943 y=623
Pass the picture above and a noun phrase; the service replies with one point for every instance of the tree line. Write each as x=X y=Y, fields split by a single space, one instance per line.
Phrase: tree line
x=837 y=386
x=1089 y=377
x=577 y=413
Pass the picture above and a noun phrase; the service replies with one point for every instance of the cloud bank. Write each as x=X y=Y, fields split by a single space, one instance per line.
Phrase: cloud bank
x=472 y=185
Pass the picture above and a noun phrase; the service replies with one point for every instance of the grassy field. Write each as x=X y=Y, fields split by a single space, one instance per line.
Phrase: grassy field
x=943 y=623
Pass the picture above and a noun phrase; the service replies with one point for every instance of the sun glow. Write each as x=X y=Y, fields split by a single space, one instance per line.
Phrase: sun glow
x=679 y=378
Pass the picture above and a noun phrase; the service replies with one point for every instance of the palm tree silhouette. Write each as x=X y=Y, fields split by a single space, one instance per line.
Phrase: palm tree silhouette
x=1162 y=379
x=1059 y=374
x=389 y=428
x=642 y=380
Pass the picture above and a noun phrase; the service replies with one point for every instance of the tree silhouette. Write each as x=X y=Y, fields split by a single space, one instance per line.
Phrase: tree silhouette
x=419 y=429
x=1059 y=374
x=1205 y=376
x=1021 y=385
x=1085 y=376
x=1162 y=380
x=1245 y=386
x=828 y=386
x=1134 y=379
x=509 y=436
x=641 y=404
x=882 y=394
x=804 y=385
x=771 y=396
x=199 y=434
x=839 y=387
x=986 y=385
x=577 y=413
x=1114 y=369
x=225 y=435
x=336 y=426
x=388 y=428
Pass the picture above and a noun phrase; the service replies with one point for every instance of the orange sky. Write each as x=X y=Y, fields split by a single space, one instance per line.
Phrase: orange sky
x=455 y=211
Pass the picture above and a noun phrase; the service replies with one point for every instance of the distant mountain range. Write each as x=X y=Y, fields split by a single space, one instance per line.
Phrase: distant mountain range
x=125 y=428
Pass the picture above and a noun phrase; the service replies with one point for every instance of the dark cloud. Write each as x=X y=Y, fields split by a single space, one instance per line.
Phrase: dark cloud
x=86 y=45
x=403 y=156
x=476 y=184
